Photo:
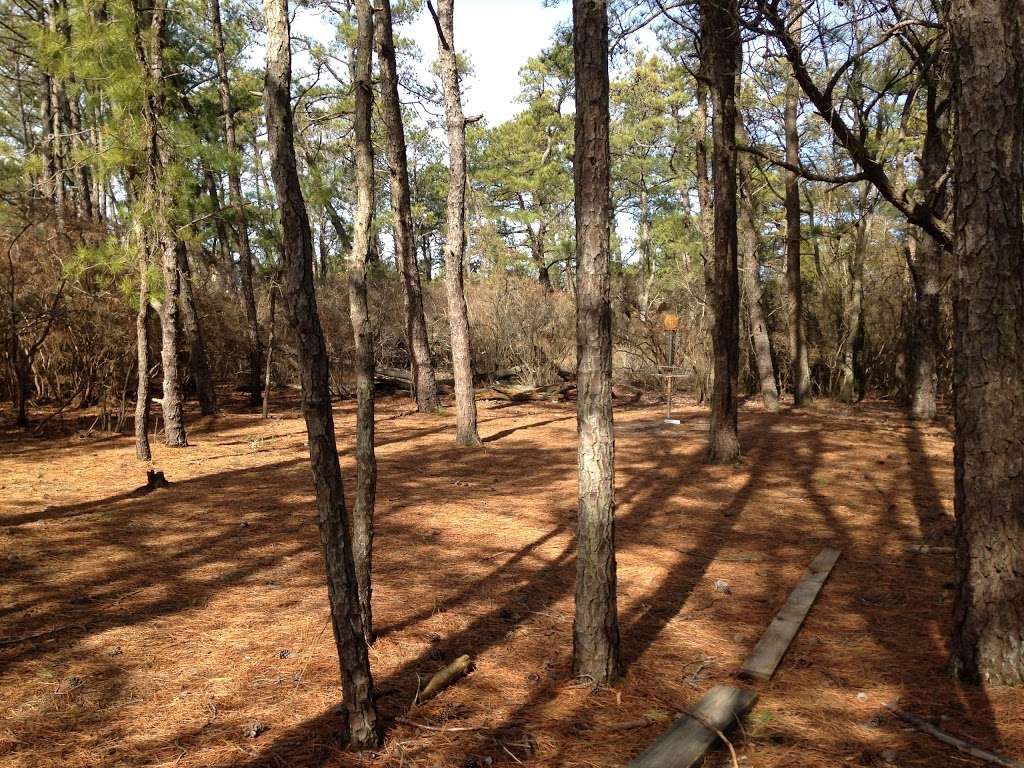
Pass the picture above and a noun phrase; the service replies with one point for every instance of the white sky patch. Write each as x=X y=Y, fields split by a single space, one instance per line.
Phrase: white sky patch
x=499 y=38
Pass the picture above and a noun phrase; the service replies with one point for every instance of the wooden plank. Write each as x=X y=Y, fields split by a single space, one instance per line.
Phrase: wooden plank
x=683 y=745
x=768 y=653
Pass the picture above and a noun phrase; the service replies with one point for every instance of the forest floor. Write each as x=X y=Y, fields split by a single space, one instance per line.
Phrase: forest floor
x=157 y=630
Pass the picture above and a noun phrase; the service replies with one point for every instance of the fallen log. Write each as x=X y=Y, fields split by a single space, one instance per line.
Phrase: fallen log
x=627 y=392
x=399 y=378
x=445 y=677
x=528 y=394
x=499 y=374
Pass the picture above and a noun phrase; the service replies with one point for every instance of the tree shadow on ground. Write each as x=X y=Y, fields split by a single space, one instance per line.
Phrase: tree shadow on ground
x=433 y=573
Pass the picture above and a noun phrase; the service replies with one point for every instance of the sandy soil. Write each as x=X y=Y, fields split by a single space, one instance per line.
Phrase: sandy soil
x=156 y=630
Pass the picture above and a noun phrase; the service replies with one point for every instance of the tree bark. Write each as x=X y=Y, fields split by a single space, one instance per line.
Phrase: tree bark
x=596 y=626
x=925 y=271
x=748 y=244
x=851 y=381
x=455 y=242
x=643 y=244
x=245 y=268
x=149 y=52
x=424 y=382
x=142 y=450
x=705 y=196
x=721 y=51
x=300 y=303
x=988 y=373
x=198 y=359
x=801 y=370
x=359 y=312
x=927 y=260
x=170 y=402
x=271 y=318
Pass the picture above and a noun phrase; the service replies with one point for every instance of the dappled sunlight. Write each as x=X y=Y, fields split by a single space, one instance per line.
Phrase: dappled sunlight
x=154 y=629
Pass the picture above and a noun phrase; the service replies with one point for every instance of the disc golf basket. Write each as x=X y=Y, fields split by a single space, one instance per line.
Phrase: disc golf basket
x=669 y=373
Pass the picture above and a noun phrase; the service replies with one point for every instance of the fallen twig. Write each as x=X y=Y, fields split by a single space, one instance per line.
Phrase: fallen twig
x=629 y=725
x=929 y=549
x=967 y=748
x=441 y=728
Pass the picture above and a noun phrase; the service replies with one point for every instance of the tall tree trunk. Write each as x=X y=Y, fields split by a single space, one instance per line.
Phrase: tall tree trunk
x=704 y=193
x=596 y=626
x=142 y=451
x=149 y=51
x=643 y=245
x=721 y=41
x=925 y=271
x=198 y=360
x=252 y=325
x=851 y=382
x=988 y=374
x=300 y=302
x=271 y=317
x=748 y=247
x=83 y=173
x=49 y=142
x=55 y=113
x=22 y=389
x=539 y=256
x=801 y=370
x=223 y=241
x=928 y=265
x=455 y=241
x=170 y=402
x=423 y=379
x=362 y=233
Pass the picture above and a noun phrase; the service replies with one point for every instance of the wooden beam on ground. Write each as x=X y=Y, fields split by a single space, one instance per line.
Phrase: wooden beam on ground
x=693 y=734
x=766 y=656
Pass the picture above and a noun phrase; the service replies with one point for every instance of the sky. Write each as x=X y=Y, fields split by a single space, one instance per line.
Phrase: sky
x=497 y=35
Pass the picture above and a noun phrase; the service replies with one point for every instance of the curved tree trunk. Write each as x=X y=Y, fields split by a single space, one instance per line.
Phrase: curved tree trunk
x=720 y=35
x=252 y=325
x=455 y=242
x=359 y=312
x=198 y=359
x=801 y=370
x=748 y=252
x=596 y=626
x=988 y=375
x=424 y=381
x=300 y=303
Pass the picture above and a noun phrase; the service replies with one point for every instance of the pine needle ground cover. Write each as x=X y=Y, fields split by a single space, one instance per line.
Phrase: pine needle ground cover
x=188 y=626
